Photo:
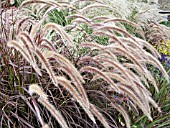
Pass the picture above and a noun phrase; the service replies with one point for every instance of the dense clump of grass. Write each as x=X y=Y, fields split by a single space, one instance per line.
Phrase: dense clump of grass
x=88 y=71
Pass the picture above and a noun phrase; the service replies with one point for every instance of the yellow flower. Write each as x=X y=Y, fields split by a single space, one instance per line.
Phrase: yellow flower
x=164 y=47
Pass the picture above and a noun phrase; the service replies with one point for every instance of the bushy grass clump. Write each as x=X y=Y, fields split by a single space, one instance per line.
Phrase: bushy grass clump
x=61 y=66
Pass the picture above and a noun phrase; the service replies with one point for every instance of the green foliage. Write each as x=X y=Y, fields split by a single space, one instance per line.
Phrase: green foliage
x=103 y=40
x=166 y=23
x=162 y=97
x=58 y=17
x=133 y=13
x=86 y=28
